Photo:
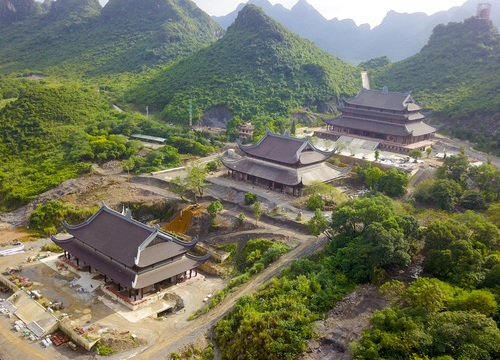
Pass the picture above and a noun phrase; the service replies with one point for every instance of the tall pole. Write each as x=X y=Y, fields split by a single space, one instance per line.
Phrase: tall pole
x=190 y=113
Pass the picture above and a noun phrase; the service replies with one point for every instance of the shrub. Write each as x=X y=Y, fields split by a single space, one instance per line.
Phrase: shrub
x=250 y=198
x=315 y=202
x=52 y=248
x=241 y=218
x=212 y=166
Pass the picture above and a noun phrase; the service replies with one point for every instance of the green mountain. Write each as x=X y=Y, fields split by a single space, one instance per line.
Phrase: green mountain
x=35 y=130
x=78 y=37
x=259 y=67
x=17 y=10
x=457 y=76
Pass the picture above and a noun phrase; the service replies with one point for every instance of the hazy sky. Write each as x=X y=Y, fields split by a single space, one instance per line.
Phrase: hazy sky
x=361 y=11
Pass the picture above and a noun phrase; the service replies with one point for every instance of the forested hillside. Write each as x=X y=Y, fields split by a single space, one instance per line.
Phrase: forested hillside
x=77 y=37
x=259 y=67
x=447 y=311
x=457 y=76
x=34 y=129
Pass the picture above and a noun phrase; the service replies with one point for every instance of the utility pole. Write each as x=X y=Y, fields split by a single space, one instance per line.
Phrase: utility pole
x=190 y=112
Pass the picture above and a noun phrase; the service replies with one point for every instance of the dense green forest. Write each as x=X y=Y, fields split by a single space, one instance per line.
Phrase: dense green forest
x=449 y=311
x=57 y=127
x=78 y=38
x=52 y=132
x=259 y=67
x=456 y=76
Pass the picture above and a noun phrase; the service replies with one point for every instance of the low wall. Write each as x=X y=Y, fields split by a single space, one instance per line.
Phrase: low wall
x=77 y=338
x=357 y=161
x=6 y=281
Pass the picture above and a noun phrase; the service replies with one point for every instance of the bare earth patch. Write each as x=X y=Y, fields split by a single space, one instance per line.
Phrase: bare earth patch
x=344 y=324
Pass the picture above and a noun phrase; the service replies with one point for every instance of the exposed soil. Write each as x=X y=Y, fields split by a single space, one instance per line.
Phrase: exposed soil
x=344 y=324
x=155 y=339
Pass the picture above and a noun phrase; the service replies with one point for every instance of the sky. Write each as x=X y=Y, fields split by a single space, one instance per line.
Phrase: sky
x=361 y=11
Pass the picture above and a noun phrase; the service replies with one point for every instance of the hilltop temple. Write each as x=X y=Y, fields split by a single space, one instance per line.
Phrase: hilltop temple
x=392 y=119
x=282 y=163
x=134 y=256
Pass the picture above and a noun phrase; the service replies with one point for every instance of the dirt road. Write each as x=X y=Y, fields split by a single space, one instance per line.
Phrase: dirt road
x=189 y=331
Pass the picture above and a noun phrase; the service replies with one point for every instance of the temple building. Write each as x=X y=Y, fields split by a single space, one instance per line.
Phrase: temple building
x=391 y=118
x=282 y=163
x=133 y=256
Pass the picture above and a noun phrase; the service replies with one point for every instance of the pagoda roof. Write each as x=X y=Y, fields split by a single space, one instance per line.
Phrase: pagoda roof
x=388 y=100
x=125 y=275
x=125 y=240
x=285 y=149
x=377 y=113
x=281 y=174
x=416 y=129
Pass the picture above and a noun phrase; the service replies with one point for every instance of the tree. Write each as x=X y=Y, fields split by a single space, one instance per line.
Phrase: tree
x=473 y=200
x=354 y=216
x=487 y=179
x=377 y=154
x=128 y=165
x=213 y=209
x=232 y=128
x=373 y=176
x=461 y=249
x=445 y=193
x=212 y=166
x=250 y=198
x=430 y=294
x=394 y=183
x=329 y=193
x=454 y=168
x=196 y=179
x=428 y=151
x=179 y=187
x=415 y=154
x=318 y=223
x=315 y=202
x=257 y=211
x=371 y=238
x=241 y=218
x=294 y=127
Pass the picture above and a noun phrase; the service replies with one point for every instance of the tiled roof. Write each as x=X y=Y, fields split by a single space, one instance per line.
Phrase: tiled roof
x=161 y=273
x=126 y=240
x=384 y=100
x=125 y=275
x=264 y=170
x=415 y=129
x=420 y=128
x=282 y=174
x=286 y=150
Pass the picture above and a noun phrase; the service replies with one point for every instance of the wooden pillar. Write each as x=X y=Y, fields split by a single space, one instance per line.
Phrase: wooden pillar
x=90 y=269
x=77 y=262
x=142 y=293
x=105 y=279
x=119 y=287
